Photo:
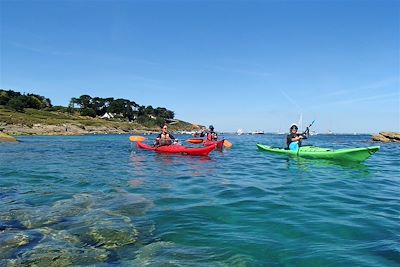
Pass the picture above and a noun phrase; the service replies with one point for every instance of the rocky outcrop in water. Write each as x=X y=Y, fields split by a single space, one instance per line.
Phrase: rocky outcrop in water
x=7 y=138
x=387 y=137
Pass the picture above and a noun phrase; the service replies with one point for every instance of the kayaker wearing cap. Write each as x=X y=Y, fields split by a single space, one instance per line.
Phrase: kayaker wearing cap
x=211 y=135
x=293 y=139
x=164 y=138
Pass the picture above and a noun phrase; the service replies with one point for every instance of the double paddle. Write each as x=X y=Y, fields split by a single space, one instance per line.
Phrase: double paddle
x=227 y=144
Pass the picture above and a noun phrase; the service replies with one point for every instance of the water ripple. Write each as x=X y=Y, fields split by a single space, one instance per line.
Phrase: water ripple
x=101 y=197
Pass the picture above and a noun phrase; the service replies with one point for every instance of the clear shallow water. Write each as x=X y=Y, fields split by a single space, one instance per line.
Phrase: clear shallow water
x=97 y=200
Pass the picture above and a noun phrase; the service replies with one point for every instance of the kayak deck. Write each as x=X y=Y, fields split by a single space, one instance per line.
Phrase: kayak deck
x=178 y=149
x=346 y=154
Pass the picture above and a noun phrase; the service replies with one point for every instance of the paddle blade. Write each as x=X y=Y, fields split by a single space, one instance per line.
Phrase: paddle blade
x=195 y=140
x=136 y=138
x=227 y=144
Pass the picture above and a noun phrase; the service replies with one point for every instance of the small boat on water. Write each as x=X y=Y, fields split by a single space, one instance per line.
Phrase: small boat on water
x=257 y=132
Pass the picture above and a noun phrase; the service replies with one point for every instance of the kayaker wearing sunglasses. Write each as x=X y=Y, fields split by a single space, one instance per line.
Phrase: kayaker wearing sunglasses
x=293 y=139
x=164 y=138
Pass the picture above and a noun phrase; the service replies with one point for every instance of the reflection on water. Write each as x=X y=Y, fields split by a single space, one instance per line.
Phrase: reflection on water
x=312 y=164
x=167 y=164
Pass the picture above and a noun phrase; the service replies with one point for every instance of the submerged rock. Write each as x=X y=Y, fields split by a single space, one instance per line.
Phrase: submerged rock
x=101 y=229
x=110 y=232
x=59 y=248
x=78 y=204
x=387 y=137
x=60 y=211
x=128 y=204
x=11 y=242
x=35 y=218
x=46 y=255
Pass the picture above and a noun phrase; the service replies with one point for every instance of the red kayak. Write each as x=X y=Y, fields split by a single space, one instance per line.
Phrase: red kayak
x=201 y=151
x=219 y=144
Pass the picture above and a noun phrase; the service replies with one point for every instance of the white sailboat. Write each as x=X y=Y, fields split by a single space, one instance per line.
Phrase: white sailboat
x=301 y=122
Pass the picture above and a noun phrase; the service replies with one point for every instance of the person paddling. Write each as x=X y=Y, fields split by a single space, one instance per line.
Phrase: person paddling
x=211 y=135
x=203 y=132
x=293 y=139
x=164 y=138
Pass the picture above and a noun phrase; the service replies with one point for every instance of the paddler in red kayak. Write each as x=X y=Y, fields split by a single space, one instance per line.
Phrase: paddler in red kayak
x=203 y=132
x=211 y=135
x=164 y=138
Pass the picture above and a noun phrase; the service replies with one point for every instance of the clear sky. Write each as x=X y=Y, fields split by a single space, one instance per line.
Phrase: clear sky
x=255 y=65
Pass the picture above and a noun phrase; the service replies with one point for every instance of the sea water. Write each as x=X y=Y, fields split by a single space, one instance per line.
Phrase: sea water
x=98 y=200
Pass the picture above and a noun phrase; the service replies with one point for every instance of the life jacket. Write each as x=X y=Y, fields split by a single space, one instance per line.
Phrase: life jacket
x=165 y=139
x=212 y=136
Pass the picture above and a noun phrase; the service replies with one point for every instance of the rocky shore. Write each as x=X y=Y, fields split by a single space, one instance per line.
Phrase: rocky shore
x=66 y=129
x=387 y=137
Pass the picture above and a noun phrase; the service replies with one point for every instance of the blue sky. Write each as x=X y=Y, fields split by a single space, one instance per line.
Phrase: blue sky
x=255 y=65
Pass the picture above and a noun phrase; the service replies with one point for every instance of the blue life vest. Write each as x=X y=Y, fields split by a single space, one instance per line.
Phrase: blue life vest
x=294 y=146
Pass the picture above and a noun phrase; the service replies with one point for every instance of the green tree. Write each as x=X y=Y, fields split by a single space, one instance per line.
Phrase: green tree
x=141 y=111
x=149 y=110
x=98 y=105
x=44 y=102
x=88 y=112
x=122 y=107
x=170 y=114
x=107 y=103
x=33 y=102
x=16 y=104
x=7 y=95
x=84 y=101
x=4 y=97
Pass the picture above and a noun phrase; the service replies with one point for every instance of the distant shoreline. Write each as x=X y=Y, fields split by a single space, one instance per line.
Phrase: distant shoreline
x=40 y=122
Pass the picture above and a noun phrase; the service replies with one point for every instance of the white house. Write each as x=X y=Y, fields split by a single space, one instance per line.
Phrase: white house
x=107 y=116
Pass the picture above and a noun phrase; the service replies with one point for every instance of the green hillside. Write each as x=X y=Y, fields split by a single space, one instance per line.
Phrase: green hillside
x=31 y=117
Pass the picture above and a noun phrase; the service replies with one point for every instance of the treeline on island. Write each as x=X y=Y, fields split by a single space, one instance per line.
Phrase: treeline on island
x=85 y=105
x=18 y=102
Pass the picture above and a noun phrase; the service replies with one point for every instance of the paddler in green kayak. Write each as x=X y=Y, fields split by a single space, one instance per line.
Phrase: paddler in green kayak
x=164 y=138
x=293 y=139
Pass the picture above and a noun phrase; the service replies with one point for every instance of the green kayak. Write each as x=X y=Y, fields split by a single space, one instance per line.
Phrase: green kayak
x=346 y=154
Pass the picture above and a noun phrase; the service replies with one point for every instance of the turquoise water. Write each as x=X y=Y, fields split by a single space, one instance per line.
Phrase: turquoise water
x=97 y=200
